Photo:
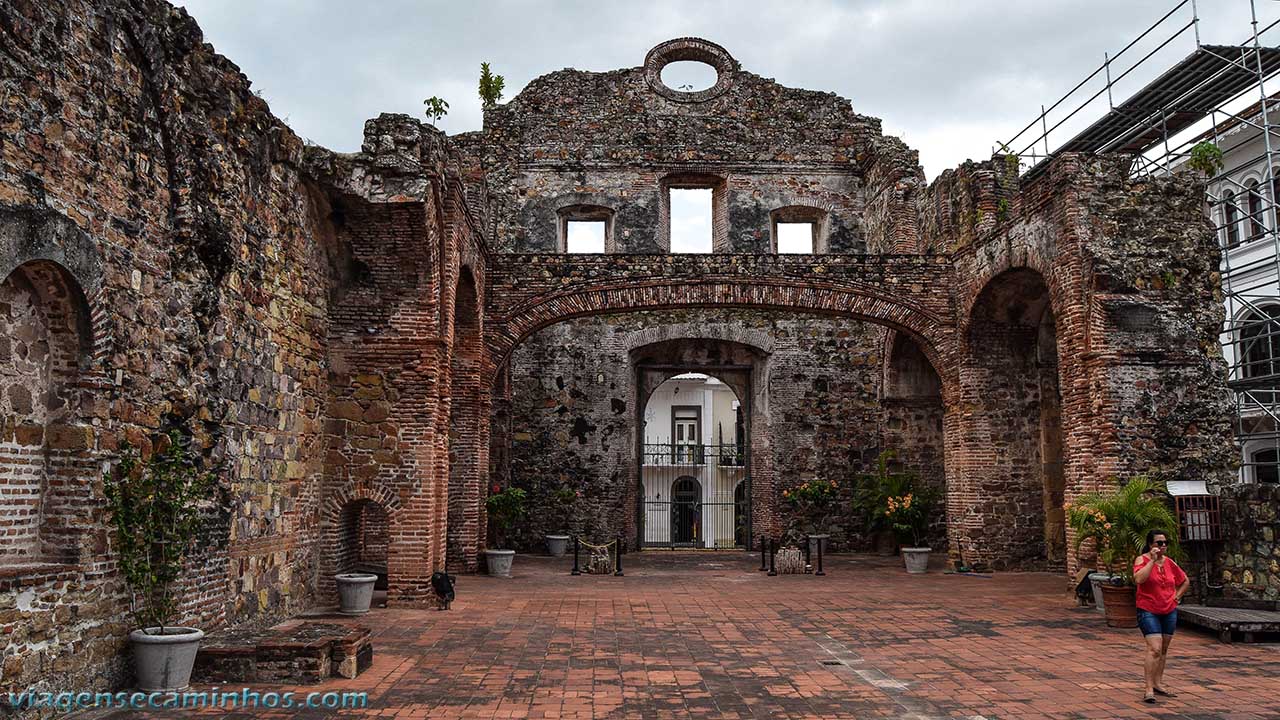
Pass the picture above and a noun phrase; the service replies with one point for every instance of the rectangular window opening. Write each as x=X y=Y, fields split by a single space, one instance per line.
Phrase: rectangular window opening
x=795 y=238
x=691 y=224
x=584 y=236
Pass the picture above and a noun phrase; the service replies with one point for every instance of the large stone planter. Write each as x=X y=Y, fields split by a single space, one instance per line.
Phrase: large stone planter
x=499 y=562
x=557 y=544
x=886 y=543
x=1121 y=610
x=163 y=661
x=813 y=547
x=355 y=592
x=916 y=559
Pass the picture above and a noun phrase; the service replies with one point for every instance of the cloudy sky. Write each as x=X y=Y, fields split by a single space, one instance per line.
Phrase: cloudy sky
x=952 y=78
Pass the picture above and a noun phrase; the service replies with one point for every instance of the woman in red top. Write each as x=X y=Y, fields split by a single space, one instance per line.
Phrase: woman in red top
x=1161 y=584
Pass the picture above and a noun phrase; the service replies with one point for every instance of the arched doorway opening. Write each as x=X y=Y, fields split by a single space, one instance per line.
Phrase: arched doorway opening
x=693 y=467
x=686 y=512
x=1011 y=381
x=364 y=537
x=465 y=521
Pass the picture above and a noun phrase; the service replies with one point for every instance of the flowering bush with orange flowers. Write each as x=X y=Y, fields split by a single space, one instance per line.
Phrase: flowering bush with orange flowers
x=909 y=515
x=814 y=502
x=1118 y=523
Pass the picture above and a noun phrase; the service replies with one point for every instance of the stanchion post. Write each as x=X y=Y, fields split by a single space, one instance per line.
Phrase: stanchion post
x=576 y=571
x=808 y=561
x=821 y=542
x=763 y=552
x=617 y=558
x=773 y=551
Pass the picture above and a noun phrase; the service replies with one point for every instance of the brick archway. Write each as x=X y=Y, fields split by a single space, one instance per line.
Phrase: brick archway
x=331 y=515
x=929 y=328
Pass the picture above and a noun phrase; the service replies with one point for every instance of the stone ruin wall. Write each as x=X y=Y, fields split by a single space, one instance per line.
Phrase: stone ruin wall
x=616 y=141
x=318 y=321
x=573 y=416
x=137 y=159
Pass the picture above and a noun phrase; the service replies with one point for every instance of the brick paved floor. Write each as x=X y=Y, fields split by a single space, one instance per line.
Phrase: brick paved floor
x=705 y=635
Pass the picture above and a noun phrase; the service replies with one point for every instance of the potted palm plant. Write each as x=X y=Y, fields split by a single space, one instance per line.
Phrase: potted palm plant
x=870 y=495
x=154 y=511
x=506 y=508
x=909 y=515
x=1117 y=522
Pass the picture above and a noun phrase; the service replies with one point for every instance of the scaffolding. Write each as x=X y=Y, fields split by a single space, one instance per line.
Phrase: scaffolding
x=1208 y=112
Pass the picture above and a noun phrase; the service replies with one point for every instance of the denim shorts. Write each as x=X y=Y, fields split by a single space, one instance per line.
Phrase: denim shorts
x=1153 y=624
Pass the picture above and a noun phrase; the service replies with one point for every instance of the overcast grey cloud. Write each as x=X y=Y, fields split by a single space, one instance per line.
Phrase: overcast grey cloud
x=950 y=77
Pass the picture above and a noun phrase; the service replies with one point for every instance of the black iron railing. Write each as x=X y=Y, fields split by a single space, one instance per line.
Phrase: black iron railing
x=695 y=496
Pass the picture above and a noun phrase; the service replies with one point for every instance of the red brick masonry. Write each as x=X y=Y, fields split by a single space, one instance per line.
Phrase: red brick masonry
x=706 y=635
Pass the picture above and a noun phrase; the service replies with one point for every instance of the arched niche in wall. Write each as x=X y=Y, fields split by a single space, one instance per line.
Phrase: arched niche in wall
x=46 y=463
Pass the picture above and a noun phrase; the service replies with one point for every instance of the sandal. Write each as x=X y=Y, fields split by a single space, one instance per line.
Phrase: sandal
x=1149 y=698
x=1166 y=693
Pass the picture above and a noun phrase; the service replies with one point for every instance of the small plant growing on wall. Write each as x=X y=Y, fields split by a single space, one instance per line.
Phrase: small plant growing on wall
x=491 y=86
x=1205 y=158
x=155 y=516
x=1002 y=210
x=436 y=108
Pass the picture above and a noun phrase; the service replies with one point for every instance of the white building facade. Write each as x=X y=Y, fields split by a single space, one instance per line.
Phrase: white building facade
x=1242 y=205
x=693 y=466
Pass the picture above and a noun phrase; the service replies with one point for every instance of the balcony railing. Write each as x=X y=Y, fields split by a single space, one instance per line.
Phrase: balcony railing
x=694 y=454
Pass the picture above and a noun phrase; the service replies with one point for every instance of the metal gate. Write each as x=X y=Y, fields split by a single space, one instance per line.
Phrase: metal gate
x=695 y=496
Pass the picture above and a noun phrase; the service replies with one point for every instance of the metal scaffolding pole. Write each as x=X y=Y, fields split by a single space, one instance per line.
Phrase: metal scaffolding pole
x=1161 y=126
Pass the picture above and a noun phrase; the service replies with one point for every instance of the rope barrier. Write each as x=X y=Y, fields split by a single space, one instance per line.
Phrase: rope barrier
x=600 y=558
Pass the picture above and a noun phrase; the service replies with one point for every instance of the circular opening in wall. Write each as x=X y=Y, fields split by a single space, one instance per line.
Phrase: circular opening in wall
x=689 y=76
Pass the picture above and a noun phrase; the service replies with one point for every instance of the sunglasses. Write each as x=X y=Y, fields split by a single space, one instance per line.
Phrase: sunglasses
x=1161 y=543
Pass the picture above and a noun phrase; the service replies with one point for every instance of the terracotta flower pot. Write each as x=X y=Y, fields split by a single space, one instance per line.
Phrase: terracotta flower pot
x=1118 y=605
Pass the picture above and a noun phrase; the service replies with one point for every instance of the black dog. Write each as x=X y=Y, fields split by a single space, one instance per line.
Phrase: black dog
x=442 y=583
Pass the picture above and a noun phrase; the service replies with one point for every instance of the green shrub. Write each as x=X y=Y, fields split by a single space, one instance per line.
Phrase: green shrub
x=1206 y=158
x=154 y=511
x=814 y=503
x=491 y=86
x=506 y=508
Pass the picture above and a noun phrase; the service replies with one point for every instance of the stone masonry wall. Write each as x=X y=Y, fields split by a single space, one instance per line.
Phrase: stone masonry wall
x=574 y=421
x=138 y=161
x=334 y=333
x=1248 y=562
